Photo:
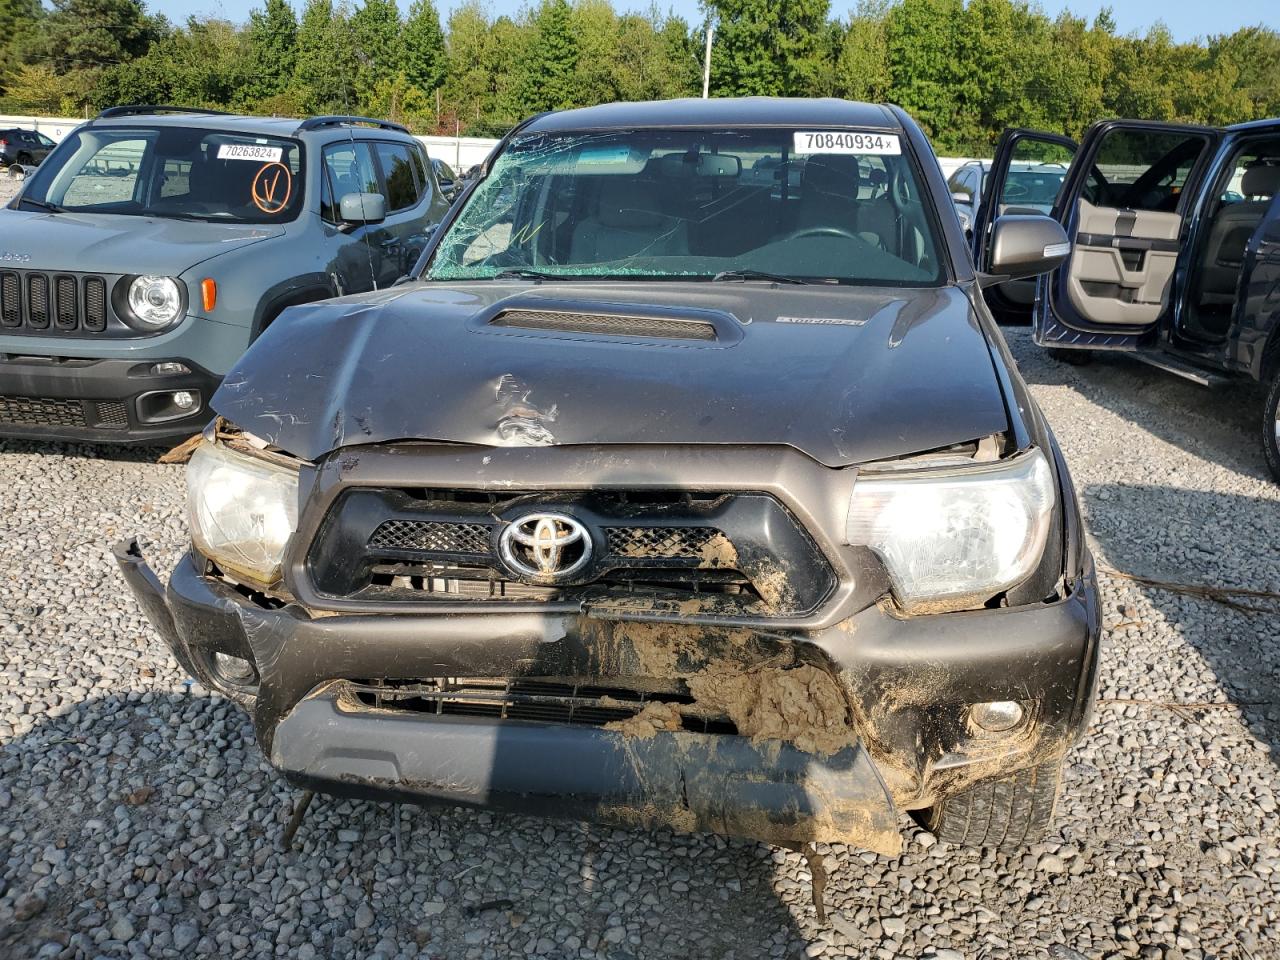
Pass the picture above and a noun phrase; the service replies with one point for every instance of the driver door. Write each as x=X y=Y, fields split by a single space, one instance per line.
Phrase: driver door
x=1124 y=205
x=1027 y=176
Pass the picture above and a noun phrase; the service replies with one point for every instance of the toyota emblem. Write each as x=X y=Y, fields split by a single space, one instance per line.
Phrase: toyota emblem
x=545 y=546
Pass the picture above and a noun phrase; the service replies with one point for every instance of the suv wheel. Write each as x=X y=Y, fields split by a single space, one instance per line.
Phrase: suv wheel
x=1271 y=427
x=24 y=159
x=1008 y=814
x=1076 y=358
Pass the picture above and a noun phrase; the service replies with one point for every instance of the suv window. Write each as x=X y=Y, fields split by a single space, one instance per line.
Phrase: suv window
x=420 y=163
x=397 y=168
x=348 y=168
x=185 y=173
x=1142 y=169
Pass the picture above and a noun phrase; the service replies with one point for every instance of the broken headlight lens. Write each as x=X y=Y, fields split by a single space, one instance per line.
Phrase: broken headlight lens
x=242 y=510
x=956 y=537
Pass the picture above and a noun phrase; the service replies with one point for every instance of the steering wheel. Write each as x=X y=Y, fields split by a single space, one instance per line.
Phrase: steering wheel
x=1015 y=191
x=829 y=231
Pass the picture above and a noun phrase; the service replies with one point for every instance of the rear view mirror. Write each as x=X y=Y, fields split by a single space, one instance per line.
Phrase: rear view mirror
x=719 y=165
x=1025 y=246
x=360 y=208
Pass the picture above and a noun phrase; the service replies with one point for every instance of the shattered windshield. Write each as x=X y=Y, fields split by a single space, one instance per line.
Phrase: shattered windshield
x=842 y=206
x=174 y=172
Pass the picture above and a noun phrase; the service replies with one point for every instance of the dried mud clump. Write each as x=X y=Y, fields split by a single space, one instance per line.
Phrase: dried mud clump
x=718 y=553
x=801 y=705
x=654 y=718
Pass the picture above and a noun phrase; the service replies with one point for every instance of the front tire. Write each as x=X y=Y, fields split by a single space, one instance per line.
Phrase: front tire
x=1008 y=813
x=1271 y=427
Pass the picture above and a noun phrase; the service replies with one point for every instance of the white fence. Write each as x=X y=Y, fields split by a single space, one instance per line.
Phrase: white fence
x=459 y=152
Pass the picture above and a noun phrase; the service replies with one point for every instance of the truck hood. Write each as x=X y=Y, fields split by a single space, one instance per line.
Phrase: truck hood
x=843 y=374
x=102 y=243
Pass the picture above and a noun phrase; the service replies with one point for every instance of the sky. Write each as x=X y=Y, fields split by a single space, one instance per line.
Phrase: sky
x=1186 y=20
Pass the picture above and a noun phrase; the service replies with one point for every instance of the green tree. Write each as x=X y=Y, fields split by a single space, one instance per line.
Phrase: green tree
x=379 y=46
x=862 y=61
x=548 y=79
x=425 y=61
x=90 y=34
x=326 y=66
x=201 y=65
x=272 y=51
x=19 y=21
x=769 y=47
x=1254 y=52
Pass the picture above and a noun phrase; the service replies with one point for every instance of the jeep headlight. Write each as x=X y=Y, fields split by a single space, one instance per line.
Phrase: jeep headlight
x=242 y=510
x=154 y=302
x=955 y=537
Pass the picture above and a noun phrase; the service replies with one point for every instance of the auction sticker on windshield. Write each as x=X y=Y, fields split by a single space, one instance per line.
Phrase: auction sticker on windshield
x=250 y=151
x=845 y=141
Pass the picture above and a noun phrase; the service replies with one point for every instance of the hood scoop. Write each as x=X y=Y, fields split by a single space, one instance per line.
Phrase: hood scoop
x=606 y=321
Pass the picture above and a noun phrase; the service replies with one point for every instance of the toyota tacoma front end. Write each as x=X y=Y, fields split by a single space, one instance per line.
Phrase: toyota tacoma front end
x=771 y=555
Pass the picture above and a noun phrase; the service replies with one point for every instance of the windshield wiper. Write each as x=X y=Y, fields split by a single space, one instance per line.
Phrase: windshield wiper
x=43 y=205
x=755 y=275
x=519 y=273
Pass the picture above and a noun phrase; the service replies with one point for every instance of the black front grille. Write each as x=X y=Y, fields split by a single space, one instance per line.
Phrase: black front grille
x=607 y=324
x=66 y=316
x=95 y=303
x=10 y=300
x=734 y=553
x=113 y=415
x=41 y=412
x=430 y=536
x=61 y=303
x=562 y=701
x=37 y=301
x=652 y=543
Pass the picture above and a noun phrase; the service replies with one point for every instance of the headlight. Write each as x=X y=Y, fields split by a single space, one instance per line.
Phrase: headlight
x=242 y=510
x=952 y=538
x=155 y=302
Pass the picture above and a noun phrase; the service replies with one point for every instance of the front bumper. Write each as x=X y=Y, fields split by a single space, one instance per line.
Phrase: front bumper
x=100 y=401
x=908 y=683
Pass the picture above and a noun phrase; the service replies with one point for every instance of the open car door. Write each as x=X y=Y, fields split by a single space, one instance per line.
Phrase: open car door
x=1027 y=176
x=1124 y=206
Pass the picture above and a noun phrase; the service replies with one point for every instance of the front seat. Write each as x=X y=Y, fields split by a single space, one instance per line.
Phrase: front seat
x=829 y=187
x=628 y=223
x=1232 y=227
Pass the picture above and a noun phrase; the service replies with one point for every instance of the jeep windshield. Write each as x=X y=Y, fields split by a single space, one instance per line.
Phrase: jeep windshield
x=174 y=172
x=698 y=204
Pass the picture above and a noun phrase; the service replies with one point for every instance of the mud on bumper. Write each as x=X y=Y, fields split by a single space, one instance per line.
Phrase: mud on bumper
x=907 y=682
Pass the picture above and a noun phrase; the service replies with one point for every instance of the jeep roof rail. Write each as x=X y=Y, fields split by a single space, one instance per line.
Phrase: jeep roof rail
x=315 y=123
x=143 y=108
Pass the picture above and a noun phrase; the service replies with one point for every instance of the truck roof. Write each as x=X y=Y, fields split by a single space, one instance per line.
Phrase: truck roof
x=739 y=112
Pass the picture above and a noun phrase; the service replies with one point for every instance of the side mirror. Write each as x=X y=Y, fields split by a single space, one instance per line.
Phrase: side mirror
x=360 y=208
x=1024 y=246
x=964 y=198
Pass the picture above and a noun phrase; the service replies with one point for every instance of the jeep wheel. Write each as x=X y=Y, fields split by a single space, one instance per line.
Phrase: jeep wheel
x=1008 y=814
x=1076 y=358
x=1271 y=427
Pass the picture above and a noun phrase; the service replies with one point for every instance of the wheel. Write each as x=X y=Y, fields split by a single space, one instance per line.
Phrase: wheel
x=1271 y=427
x=24 y=159
x=1008 y=813
x=1076 y=358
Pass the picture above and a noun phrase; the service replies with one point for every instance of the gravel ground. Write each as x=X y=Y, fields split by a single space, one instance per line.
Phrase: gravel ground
x=137 y=817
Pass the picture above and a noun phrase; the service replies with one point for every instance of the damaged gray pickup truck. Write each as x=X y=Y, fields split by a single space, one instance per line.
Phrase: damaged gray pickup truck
x=687 y=482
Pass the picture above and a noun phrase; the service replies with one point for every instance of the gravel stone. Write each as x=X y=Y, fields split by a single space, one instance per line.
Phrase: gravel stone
x=1165 y=841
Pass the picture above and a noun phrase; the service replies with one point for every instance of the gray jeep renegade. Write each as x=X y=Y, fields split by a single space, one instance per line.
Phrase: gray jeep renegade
x=155 y=243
